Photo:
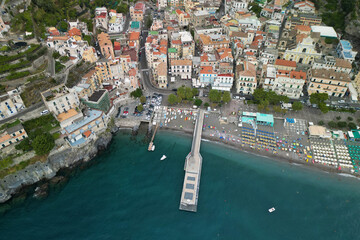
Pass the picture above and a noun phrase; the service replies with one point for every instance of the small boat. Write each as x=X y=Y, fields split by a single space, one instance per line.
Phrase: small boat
x=153 y=148
x=163 y=157
x=271 y=210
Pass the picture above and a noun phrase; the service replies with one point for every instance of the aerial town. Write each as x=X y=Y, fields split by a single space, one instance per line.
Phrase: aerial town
x=270 y=76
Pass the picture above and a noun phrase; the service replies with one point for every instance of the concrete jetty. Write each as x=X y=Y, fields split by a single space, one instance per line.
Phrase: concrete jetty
x=193 y=162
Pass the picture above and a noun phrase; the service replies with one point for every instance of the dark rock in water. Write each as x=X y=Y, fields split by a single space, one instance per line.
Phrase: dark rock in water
x=41 y=191
x=13 y=184
x=58 y=180
x=114 y=130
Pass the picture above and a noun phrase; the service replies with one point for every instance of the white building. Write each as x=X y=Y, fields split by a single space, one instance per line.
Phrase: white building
x=161 y=4
x=116 y=22
x=10 y=104
x=60 y=99
x=223 y=82
x=288 y=83
x=305 y=6
x=101 y=18
x=329 y=62
x=246 y=82
x=181 y=68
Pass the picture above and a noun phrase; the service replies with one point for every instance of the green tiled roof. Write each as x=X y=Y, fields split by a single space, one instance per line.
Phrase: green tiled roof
x=172 y=50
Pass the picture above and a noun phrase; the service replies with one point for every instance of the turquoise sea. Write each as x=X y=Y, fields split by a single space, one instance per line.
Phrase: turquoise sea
x=128 y=193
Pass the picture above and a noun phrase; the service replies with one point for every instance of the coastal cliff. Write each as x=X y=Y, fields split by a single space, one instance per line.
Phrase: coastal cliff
x=13 y=183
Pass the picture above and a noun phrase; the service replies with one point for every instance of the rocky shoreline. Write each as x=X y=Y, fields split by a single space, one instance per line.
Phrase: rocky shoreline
x=41 y=174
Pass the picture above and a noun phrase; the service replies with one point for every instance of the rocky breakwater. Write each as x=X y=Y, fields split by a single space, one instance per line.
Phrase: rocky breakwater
x=70 y=157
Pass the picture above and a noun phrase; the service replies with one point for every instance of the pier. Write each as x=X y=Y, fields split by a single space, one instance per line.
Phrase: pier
x=152 y=138
x=193 y=163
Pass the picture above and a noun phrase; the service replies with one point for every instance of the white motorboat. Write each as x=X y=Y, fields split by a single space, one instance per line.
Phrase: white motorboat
x=163 y=157
x=153 y=148
x=271 y=210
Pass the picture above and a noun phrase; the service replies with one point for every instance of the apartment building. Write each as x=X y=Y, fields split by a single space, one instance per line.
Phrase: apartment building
x=182 y=68
x=246 y=82
x=209 y=43
x=10 y=104
x=288 y=83
x=330 y=62
x=12 y=135
x=161 y=75
x=223 y=82
x=345 y=51
x=60 y=99
x=182 y=17
x=106 y=46
x=328 y=81
x=137 y=12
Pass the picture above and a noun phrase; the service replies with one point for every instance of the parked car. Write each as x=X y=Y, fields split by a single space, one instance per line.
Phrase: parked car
x=45 y=112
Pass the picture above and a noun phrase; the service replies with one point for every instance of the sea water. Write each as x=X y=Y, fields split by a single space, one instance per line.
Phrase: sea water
x=130 y=194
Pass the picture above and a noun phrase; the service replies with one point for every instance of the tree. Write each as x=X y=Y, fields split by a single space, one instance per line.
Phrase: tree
x=24 y=145
x=214 y=96
x=226 y=97
x=181 y=92
x=317 y=98
x=63 y=26
x=259 y=94
x=277 y=109
x=198 y=102
x=338 y=118
x=123 y=8
x=56 y=55
x=140 y=108
x=332 y=124
x=172 y=99
x=350 y=119
x=321 y=123
x=206 y=104
x=351 y=125
x=149 y=21
x=43 y=144
x=297 y=106
x=323 y=107
x=136 y=93
x=188 y=93
x=195 y=91
x=341 y=124
x=143 y=99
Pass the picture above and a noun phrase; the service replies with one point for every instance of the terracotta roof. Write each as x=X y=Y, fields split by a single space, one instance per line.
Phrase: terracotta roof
x=176 y=42
x=206 y=70
x=4 y=138
x=287 y=63
x=74 y=32
x=298 y=75
x=330 y=74
x=303 y=28
x=132 y=72
x=133 y=36
x=162 y=69
x=66 y=115
x=181 y=62
x=87 y=133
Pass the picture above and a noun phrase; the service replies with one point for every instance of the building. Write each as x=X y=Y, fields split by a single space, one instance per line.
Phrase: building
x=89 y=55
x=184 y=43
x=305 y=52
x=101 y=18
x=183 y=18
x=12 y=135
x=287 y=65
x=305 y=6
x=103 y=71
x=288 y=83
x=10 y=104
x=329 y=62
x=60 y=99
x=161 y=4
x=161 y=75
x=207 y=76
x=99 y=100
x=345 y=51
x=223 y=82
x=246 y=82
x=3 y=27
x=79 y=131
x=106 y=46
x=328 y=81
x=198 y=18
x=137 y=12
x=69 y=117
x=209 y=43
x=116 y=22
x=181 y=68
